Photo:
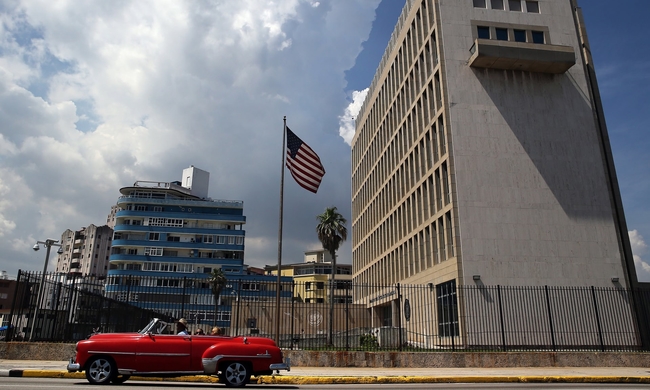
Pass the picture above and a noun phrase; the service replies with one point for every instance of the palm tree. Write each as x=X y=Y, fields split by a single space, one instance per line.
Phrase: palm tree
x=331 y=232
x=217 y=284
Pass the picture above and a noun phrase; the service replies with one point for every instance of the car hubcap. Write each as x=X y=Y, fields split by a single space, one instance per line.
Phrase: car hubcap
x=236 y=373
x=100 y=370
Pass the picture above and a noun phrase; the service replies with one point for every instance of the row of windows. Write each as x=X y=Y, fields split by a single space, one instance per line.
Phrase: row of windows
x=429 y=199
x=421 y=161
x=392 y=106
x=340 y=285
x=513 y=5
x=419 y=47
x=505 y=34
x=321 y=270
x=142 y=207
x=428 y=247
x=201 y=239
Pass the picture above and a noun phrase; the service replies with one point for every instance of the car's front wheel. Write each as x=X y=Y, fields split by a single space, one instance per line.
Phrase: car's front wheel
x=100 y=370
x=235 y=374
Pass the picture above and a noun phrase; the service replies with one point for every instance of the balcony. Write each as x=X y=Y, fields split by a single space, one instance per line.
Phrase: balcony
x=528 y=57
x=75 y=264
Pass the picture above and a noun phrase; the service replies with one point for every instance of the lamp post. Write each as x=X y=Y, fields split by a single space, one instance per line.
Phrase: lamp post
x=48 y=245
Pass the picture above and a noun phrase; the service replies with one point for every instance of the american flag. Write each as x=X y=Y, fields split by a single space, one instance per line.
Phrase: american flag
x=303 y=163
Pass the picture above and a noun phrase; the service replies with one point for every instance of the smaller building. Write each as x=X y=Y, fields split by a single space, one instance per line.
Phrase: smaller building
x=85 y=252
x=312 y=277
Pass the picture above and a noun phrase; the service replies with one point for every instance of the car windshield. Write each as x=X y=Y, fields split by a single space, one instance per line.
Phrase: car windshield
x=156 y=326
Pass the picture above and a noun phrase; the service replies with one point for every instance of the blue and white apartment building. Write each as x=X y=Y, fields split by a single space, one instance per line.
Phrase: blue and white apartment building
x=168 y=238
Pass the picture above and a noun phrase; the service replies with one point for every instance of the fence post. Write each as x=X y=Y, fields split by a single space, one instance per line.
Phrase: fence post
x=550 y=317
x=183 y=299
x=238 y=304
x=128 y=289
x=10 y=324
x=293 y=302
x=347 y=316
x=503 y=330
x=56 y=309
x=600 y=332
x=399 y=314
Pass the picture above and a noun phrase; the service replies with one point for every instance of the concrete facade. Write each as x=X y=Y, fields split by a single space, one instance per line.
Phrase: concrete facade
x=85 y=252
x=467 y=170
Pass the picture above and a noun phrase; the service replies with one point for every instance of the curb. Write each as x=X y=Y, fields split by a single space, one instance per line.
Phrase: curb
x=322 y=380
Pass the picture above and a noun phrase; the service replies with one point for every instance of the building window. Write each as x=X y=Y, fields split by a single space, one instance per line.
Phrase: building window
x=480 y=4
x=538 y=36
x=483 y=32
x=140 y=208
x=502 y=34
x=171 y=222
x=154 y=236
x=497 y=4
x=157 y=208
x=515 y=5
x=532 y=7
x=520 y=35
x=153 y=251
x=447 y=309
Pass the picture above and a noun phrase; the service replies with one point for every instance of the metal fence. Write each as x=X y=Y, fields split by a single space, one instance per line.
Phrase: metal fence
x=362 y=317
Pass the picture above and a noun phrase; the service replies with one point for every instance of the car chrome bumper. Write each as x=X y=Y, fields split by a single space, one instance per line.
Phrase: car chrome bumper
x=281 y=366
x=73 y=367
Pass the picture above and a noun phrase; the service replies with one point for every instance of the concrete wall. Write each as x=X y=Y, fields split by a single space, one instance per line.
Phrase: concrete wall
x=300 y=358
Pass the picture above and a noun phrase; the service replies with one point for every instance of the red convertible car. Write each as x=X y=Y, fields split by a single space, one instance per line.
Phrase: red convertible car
x=114 y=357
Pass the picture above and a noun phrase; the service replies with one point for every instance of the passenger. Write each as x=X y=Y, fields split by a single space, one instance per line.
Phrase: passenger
x=216 y=331
x=181 y=327
x=199 y=332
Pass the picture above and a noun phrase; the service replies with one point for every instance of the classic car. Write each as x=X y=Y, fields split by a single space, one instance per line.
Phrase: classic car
x=154 y=352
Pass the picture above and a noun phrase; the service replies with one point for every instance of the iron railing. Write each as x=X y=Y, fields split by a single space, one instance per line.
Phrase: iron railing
x=364 y=317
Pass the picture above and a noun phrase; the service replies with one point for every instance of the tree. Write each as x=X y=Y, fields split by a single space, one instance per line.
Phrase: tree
x=217 y=284
x=331 y=232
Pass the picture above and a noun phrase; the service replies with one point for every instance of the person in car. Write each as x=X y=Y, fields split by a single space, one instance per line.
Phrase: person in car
x=216 y=331
x=181 y=327
x=199 y=332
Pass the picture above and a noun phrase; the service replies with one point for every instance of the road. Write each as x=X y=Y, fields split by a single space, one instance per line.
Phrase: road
x=7 y=383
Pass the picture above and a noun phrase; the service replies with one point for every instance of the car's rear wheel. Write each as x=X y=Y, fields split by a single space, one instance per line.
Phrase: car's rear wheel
x=100 y=370
x=235 y=374
x=119 y=379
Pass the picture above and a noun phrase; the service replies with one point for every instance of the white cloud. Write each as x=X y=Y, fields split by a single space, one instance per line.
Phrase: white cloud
x=346 y=121
x=639 y=248
x=96 y=95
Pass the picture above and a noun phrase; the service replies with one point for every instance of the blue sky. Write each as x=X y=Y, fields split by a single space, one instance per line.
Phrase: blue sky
x=97 y=95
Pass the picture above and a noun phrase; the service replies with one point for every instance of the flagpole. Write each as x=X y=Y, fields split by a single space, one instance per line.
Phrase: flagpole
x=279 y=284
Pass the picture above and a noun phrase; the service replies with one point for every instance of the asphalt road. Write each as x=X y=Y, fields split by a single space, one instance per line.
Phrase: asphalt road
x=8 y=383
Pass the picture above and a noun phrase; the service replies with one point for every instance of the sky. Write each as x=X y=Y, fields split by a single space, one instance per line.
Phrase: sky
x=97 y=95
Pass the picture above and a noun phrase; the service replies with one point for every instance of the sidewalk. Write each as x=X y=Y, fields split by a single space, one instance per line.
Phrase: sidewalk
x=350 y=375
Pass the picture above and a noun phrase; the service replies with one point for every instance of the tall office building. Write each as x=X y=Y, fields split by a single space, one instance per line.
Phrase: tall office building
x=85 y=251
x=168 y=235
x=481 y=154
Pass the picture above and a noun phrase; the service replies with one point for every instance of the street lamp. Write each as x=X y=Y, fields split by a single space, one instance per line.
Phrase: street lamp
x=48 y=245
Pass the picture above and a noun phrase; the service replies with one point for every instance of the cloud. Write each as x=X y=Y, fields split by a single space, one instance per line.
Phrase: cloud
x=347 y=120
x=639 y=248
x=95 y=96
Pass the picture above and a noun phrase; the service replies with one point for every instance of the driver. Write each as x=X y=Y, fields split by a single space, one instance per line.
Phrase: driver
x=181 y=327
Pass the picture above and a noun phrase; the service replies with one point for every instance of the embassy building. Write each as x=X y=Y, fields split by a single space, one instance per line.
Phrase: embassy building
x=481 y=157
